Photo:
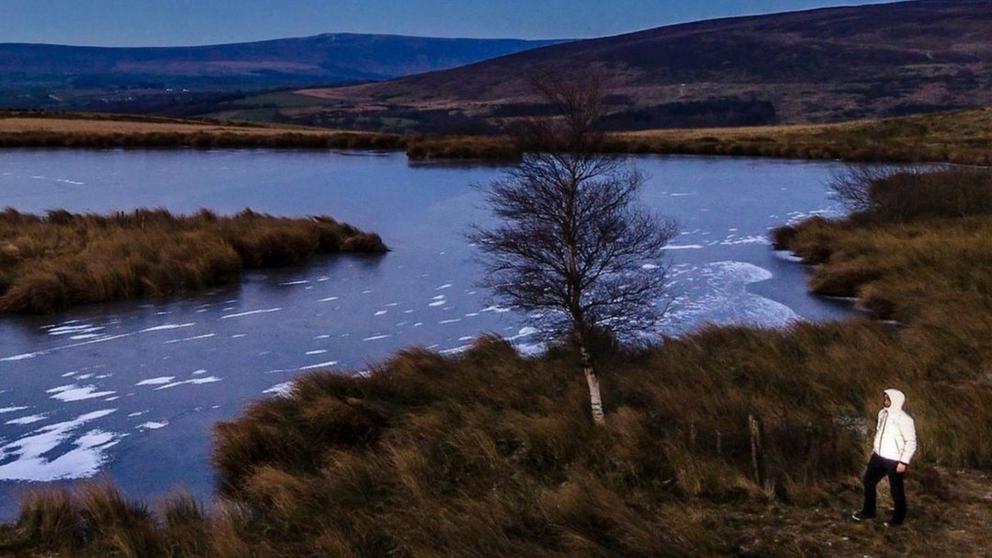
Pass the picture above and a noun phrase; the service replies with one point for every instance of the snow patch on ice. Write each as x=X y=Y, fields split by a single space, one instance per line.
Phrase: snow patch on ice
x=30 y=457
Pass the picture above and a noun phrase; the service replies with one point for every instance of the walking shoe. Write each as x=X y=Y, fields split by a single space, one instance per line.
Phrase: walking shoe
x=861 y=516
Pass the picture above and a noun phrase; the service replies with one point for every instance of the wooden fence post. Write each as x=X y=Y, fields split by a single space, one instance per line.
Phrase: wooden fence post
x=757 y=450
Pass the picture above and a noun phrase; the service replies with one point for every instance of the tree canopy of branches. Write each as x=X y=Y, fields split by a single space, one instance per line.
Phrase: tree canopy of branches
x=574 y=246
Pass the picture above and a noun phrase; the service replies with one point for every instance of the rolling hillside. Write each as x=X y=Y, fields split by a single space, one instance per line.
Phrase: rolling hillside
x=813 y=66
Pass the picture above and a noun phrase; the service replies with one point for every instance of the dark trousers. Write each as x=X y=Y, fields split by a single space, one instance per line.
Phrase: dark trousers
x=879 y=467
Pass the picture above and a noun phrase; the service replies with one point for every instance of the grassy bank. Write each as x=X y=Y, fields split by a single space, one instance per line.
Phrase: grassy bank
x=963 y=137
x=51 y=262
x=490 y=453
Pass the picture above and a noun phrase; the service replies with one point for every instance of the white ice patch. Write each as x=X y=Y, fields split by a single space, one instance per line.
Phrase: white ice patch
x=452 y=321
x=496 y=309
x=73 y=329
x=318 y=365
x=4 y=410
x=316 y=352
x=194 y=381
x=30 y=458
x=292 y=283
x=376 y=337
x=185 y=339
x=381 y=312
x=524 y=332
x=63 y=347
x=284 y=389
x=328 y=299
x=786 y=255
x=726 y=300
x=73 y=392
x=166 y=327
x=683 y=247
x=152 y=425
x=650 y=267
x=250 y=313
x=733 y=240
x=31 y=419
x=444 y=286
x=156 y=381
x=455 y=350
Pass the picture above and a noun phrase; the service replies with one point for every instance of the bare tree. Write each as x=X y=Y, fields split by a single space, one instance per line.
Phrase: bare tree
x=574 y=247
x=852 y=185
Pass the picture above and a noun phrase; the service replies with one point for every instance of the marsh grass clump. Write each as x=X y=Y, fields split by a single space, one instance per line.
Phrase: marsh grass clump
x=51 y=262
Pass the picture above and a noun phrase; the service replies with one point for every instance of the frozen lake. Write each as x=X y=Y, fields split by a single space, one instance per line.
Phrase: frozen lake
x=130 y=391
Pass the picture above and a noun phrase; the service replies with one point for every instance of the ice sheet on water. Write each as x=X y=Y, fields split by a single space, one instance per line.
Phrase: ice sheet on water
x=152 y=425
x=30 y=458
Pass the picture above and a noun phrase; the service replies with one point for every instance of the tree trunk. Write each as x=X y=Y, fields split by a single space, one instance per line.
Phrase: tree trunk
x=595 y=398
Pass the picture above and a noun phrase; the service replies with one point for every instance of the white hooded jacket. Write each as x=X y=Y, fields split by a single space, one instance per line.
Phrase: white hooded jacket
x=895 y=435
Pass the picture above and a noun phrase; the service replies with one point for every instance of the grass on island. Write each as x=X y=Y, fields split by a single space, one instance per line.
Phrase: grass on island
x=49 y=263
x=490 y=453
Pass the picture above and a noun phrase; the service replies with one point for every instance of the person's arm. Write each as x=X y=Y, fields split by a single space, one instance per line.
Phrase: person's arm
x=907 y=429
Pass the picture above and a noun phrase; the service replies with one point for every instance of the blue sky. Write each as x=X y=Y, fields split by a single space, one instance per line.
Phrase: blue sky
x=188 y=22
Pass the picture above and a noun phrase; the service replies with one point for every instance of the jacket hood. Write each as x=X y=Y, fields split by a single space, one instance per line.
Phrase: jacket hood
x=898 y=399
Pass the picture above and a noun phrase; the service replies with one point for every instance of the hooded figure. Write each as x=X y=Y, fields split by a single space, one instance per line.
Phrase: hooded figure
x=894 y=446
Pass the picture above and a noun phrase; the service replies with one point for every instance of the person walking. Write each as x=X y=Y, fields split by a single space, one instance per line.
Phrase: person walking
x=894 y=446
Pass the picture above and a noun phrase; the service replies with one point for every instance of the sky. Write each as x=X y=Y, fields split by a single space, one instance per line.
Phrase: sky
x=193 y=22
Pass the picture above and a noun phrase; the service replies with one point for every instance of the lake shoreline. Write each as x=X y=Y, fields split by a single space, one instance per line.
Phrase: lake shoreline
x=960 y=137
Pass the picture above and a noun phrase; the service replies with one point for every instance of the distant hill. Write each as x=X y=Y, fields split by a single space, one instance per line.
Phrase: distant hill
x=74 y=77
x=813 y=66
x=318 y=59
